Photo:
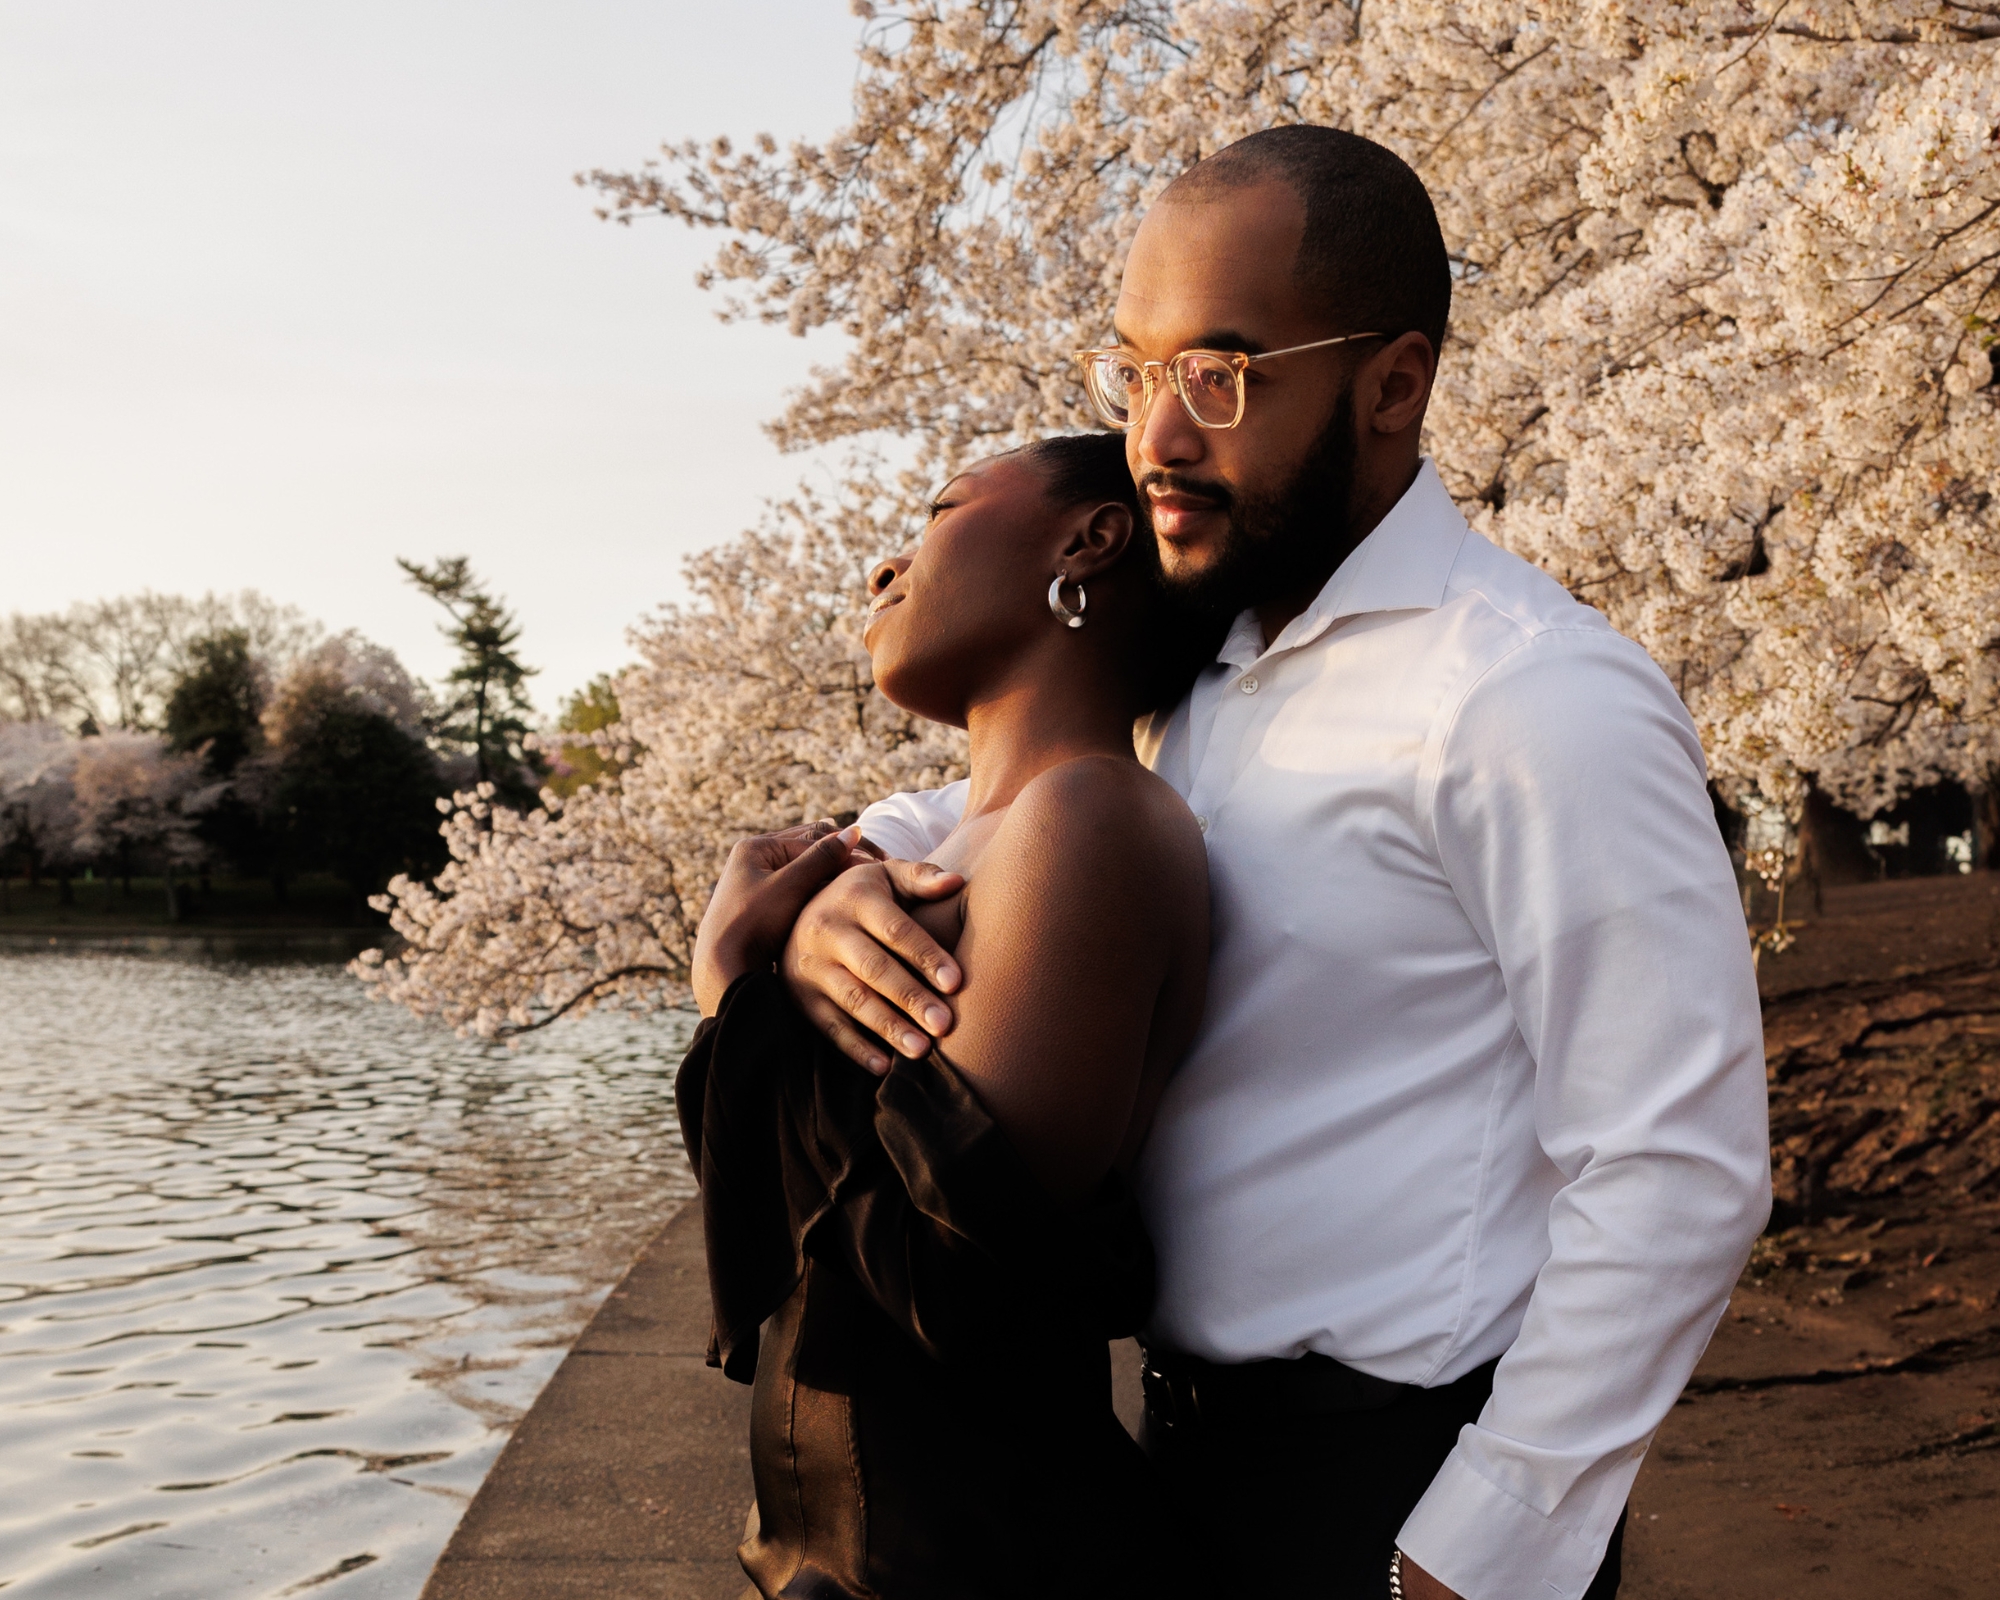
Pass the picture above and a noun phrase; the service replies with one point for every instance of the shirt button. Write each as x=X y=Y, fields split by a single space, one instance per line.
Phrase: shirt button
x=1201 y=823
x=1249 y=685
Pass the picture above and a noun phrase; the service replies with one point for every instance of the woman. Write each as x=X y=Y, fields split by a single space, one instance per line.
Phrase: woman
x=921 y=1272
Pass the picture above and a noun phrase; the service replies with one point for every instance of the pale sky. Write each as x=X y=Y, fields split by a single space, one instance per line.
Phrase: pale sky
x=289 y=288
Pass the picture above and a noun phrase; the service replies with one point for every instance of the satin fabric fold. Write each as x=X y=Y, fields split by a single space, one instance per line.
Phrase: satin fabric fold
x=925 y=1331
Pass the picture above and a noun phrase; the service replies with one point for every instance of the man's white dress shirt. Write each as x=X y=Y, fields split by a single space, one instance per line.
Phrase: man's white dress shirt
x=1482 y=1066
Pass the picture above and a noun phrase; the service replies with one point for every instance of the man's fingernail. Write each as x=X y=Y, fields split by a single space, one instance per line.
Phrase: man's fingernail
x=878 y=1063
x=948 y=976
x=936 y=1018
x=914 y=1045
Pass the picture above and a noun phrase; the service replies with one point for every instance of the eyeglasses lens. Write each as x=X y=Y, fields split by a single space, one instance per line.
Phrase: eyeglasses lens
x=1117 y=388
x=1209 y=387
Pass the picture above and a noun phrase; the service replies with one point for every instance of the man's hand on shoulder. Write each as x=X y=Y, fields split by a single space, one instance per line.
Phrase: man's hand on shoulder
x=861 y=968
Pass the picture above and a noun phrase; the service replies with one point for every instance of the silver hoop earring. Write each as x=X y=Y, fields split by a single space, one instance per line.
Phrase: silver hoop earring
x=1062 y=613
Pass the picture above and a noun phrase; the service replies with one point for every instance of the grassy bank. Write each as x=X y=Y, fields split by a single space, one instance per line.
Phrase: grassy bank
x=100 y=906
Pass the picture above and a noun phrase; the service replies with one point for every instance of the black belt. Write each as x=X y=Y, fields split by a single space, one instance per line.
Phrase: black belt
x=1185 y=1389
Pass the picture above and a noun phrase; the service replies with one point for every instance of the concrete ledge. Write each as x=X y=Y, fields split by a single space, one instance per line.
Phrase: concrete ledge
x=630 y=1476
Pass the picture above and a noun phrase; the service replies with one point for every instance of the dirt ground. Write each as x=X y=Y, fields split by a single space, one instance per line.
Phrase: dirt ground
x=1842 y=1436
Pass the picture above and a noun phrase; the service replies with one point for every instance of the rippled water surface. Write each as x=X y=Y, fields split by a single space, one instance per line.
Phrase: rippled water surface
x=280 y=1266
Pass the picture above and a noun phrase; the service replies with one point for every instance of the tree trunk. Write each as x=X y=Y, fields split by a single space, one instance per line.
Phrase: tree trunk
x=173 y=894
x=1986 y=820
x=65 y=894
x=278 y=886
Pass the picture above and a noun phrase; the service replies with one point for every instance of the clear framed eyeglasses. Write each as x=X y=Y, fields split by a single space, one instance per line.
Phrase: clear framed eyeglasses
x=1209 y=383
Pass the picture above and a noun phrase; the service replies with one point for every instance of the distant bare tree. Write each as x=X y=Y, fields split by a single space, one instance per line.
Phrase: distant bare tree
x=112 y=663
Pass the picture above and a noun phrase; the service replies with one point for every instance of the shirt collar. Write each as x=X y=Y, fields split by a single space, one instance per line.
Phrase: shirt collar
x=1403 y=565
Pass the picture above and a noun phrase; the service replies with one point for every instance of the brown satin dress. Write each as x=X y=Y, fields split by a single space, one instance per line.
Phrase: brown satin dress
x=925 y=1331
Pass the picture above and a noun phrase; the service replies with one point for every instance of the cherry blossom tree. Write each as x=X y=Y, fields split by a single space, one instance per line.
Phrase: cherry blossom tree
x=353 y=672
x=1720 y=360
x=138 y=798
x=749 y=706
x=1720 y=353
x=38 y=820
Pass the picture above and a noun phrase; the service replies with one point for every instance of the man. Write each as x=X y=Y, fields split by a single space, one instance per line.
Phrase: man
x=1454 y=1185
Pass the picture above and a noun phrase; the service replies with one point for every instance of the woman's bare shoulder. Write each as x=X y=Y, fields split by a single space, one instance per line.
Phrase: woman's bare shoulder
x=1095 y=789
x=1106 y=816
x=1090 y=901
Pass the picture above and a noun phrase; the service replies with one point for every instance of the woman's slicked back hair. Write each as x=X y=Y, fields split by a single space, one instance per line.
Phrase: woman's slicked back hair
x=1085 y=467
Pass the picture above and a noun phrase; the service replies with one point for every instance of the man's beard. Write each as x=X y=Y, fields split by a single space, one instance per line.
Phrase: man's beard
x=1283 y=543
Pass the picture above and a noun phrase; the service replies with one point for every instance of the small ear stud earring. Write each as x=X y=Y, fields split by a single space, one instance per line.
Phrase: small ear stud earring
x=1061 y=612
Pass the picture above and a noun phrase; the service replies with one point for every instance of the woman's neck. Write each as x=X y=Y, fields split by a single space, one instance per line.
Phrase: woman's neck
x=1037 y=722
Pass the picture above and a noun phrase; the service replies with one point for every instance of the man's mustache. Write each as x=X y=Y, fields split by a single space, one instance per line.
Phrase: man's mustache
x=1177 y=483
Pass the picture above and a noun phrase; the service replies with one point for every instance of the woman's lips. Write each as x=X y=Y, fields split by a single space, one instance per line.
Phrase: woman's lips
x=876 y=607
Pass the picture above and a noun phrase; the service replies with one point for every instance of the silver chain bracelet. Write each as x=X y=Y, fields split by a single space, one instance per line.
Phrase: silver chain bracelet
x=1396 y=1576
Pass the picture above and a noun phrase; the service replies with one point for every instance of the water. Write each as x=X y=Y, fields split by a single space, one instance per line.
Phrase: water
x=280 y=1267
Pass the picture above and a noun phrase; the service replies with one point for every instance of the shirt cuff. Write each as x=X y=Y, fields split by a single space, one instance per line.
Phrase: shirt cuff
x=1482 y=1543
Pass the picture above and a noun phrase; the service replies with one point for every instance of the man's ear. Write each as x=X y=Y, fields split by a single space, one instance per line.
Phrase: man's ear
x=1395 y=387
x=1098 y=536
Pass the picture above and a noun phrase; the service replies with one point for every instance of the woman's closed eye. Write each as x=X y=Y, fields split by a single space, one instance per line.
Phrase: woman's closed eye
x=932 y=512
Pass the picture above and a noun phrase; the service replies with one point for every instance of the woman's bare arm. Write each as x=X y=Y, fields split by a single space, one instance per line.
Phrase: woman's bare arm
x=1091 y=900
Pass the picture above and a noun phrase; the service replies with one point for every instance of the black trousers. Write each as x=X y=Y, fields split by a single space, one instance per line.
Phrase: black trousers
x=1307 y=1505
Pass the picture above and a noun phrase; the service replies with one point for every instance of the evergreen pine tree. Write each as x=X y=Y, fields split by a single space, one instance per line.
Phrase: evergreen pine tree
x=486 y=713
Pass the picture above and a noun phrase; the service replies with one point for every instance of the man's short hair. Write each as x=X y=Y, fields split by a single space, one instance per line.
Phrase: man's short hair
x=1372 y=250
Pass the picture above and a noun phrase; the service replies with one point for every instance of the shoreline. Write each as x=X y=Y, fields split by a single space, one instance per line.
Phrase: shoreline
x=183 y=938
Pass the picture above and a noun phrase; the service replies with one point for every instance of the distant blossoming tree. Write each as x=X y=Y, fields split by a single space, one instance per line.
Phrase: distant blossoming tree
x=38 y=821
x=137 y=797
x=1720 y=356
x=359 y=675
